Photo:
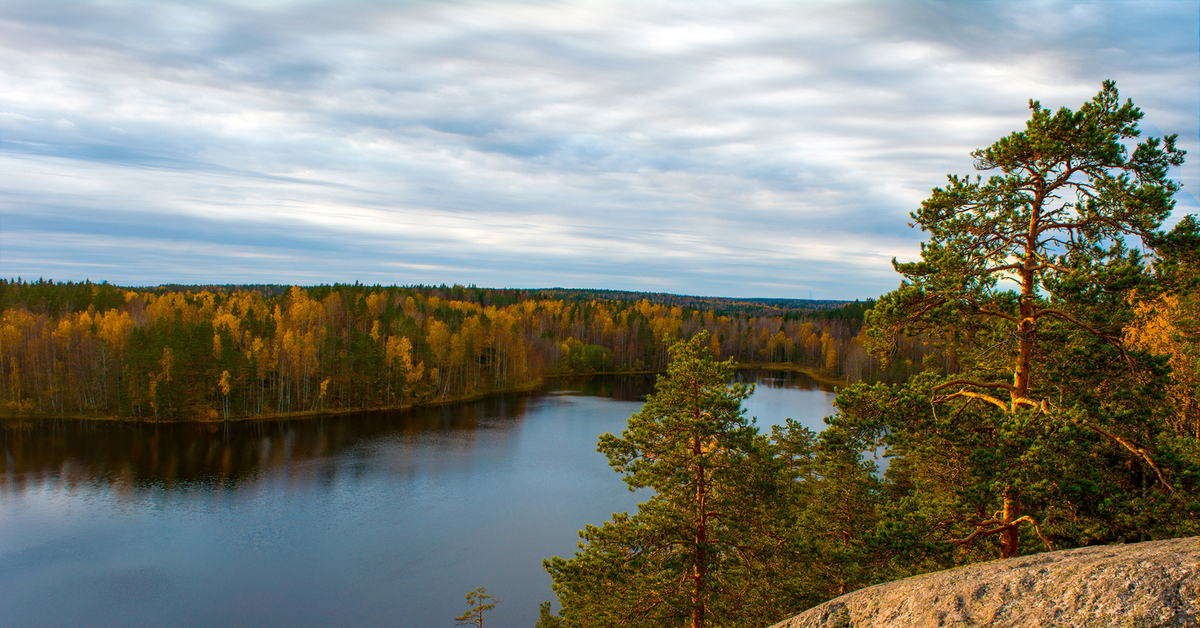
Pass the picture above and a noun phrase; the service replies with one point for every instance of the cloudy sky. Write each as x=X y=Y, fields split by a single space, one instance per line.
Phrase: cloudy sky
x=768 y=149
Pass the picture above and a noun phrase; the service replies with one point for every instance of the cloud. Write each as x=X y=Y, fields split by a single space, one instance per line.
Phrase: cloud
x=745 y=149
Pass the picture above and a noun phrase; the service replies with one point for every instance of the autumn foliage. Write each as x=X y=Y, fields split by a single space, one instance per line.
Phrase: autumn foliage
x=176 y=354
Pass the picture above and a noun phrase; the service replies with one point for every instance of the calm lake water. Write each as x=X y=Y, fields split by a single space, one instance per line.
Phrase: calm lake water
x=382 y=519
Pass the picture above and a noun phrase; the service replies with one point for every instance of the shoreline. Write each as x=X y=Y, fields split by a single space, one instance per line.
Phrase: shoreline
x=790 y=367
x=301 y=414
x=314 y=414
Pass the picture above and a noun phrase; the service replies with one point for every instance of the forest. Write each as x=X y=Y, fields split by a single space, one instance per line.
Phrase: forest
x=203 y=353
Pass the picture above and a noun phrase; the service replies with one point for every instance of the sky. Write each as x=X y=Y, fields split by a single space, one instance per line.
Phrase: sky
x=740 y=149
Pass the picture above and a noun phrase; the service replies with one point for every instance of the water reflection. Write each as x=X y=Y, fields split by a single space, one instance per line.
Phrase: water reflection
x=620 y=388
x=212 y=456
x=383 y=518
x=636 y=387
x=783 y=379
x=220 y=455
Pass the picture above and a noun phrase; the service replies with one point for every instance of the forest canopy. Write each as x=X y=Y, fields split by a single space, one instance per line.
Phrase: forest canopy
x=216 y=352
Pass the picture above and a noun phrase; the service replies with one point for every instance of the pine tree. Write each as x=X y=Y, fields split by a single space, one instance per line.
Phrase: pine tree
x=688 y=555
x=478 y=602
x=1028 y=278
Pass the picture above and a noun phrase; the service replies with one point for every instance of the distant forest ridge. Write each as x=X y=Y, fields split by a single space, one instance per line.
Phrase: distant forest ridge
x=472 y=292
x=731 y=304
x=829 y=308
x=208 y=352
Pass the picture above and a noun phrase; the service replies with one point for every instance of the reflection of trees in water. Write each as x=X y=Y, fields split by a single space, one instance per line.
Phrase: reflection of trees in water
x=781 y=379
x=636 y=387
x=220 y=456
x=619 y=387
x=225 y=456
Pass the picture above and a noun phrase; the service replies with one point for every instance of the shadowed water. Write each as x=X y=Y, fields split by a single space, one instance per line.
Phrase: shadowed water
x=378 y=519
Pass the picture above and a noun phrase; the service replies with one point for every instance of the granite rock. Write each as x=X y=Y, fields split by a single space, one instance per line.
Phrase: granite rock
x=1139 y=585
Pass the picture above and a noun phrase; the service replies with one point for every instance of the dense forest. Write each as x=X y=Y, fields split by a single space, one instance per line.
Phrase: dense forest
x=213 y=353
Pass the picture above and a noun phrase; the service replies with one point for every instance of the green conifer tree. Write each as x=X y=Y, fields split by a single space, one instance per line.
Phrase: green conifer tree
x=689 y=554
x=478 y=602
x=1028 y=278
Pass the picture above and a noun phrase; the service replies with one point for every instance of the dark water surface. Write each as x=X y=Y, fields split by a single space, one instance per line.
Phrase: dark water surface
x=380 y=519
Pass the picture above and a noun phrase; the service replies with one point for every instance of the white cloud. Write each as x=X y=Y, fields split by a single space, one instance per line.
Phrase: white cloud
x=742 y=149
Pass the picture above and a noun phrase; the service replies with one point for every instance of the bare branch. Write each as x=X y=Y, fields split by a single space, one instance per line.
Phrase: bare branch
x=1135 y=448
x=968 y=382
x=1071 y=319
x=1049 y=545
x=1002 y=526
x=996 y=269
x=1028 y=403
x=1064 y=178
x=978 y=534
x=1132 y=446
x=974 y=395
x=999 y=315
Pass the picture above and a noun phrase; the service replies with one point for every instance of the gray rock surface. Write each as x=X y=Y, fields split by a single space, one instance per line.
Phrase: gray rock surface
x=1140 y=585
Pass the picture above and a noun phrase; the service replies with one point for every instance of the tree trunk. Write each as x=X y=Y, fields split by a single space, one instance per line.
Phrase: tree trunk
x=1027 y=326
x=1010 y=538
x=1026 y=330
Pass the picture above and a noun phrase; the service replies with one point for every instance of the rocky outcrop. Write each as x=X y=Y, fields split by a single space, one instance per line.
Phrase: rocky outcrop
x=1140 y=585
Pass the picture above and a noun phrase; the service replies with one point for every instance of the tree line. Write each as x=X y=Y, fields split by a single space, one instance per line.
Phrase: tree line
x=216 y=353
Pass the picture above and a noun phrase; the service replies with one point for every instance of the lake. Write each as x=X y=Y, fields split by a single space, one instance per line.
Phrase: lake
x=377 y=519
